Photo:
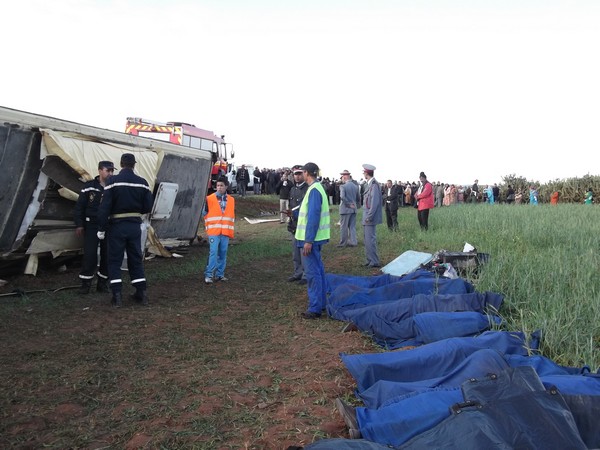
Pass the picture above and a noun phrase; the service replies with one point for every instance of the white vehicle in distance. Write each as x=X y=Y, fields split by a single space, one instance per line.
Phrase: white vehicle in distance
x=233 y=187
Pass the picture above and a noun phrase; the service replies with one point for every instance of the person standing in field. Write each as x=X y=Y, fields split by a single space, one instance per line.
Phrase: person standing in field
x=474 y=192
x=86 y=226
x=439 y=194
x=510 y=194
x=518 y=198
x=424 y=198
x=126 y=198
x=297 y=193
x=453 y=195
x=554 y=198
x=283 y=189
x=312 y=232
x=390 y=200
x=533 y=195
x=257 y=181
x=219 y=217
x=589 y=197
x=372 y=215
x=242 y=178
x=349 y=204
x=496 y=193
x=408 y=194
x=489 y=194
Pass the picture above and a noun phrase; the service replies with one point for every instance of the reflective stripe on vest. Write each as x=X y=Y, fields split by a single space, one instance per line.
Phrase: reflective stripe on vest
x=217 y=222
x=323 y=233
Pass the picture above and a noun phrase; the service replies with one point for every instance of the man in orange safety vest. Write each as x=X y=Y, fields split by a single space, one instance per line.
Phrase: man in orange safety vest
x=219 y=216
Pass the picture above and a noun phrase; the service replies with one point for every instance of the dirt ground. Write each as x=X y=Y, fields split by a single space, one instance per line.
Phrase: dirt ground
x=209 y=367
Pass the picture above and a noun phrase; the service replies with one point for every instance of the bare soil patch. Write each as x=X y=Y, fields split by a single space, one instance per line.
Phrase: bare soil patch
x=224 y=366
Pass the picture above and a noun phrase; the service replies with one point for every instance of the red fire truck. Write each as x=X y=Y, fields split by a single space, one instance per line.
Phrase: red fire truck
x=187 y=135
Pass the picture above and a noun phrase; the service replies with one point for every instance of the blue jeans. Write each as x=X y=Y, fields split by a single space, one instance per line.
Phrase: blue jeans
x=315 y=276
x=217 y=257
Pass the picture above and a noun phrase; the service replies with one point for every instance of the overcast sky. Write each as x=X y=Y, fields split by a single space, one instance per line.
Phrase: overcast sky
x=458 y=89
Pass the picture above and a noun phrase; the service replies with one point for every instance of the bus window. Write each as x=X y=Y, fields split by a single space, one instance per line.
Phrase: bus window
x=206 y=145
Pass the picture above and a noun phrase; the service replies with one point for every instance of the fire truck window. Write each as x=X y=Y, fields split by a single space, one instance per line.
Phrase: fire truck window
x=186 y=141
x=195 y=142
x=207 y=145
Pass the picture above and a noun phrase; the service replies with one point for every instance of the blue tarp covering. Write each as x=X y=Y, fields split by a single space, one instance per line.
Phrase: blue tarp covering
x=435 y=326
x=351 y=296
x=410 y=395
x=432 y=360
x=508 y=410
x=406 y=416
x=423 y=318
x=477 y=364
x=336 y=280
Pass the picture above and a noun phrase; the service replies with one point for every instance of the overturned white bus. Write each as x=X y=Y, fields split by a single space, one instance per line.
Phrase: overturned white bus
x=45 y=161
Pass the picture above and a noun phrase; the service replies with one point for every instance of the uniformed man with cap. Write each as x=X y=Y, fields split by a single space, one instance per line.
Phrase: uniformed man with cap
x=312 y=232
x=86 y=226
x=126 y=197
x=349 y=204
x=297 y=193
x=372 y=215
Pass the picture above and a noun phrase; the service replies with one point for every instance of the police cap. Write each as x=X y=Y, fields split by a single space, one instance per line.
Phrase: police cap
x=311 y=168
x=106 y=165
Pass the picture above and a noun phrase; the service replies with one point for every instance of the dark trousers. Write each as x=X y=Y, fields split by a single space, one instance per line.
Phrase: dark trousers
x=423 y=216
x=391 y=214
x=242 y=187
x=90 y=254
x=125 y=236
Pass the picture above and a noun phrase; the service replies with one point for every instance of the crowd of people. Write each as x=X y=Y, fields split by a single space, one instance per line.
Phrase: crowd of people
x=305 y=199
x=109 y=216
x=112 y=208
x=309 y=220
x=403 y=194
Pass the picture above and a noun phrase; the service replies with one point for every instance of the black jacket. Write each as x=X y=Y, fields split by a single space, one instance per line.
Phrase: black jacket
x=86 y=209
x=283 y=188
x=297 y=193
x=391 y=200
x=124 y=193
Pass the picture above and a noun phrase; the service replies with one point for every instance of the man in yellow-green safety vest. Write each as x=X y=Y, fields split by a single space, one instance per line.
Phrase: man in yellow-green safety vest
x=312 y=232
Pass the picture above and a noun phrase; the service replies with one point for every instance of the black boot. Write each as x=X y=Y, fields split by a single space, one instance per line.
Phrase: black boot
x=102 y=285
x=140 y=297
x=117 y=300
x=85 y=287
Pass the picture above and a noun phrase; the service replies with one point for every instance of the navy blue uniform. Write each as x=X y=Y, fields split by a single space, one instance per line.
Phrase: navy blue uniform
x=86 y=212
x=126 y=197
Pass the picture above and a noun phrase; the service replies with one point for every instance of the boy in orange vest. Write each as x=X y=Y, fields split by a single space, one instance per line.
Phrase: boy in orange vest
x=219 y=216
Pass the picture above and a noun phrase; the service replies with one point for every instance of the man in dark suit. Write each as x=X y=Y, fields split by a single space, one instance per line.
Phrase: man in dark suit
x=242 y=178
x=349 y=204
x=372 y=215
x=390 y=200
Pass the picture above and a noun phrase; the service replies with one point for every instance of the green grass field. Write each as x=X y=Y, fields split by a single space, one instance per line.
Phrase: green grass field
x=544 y=259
